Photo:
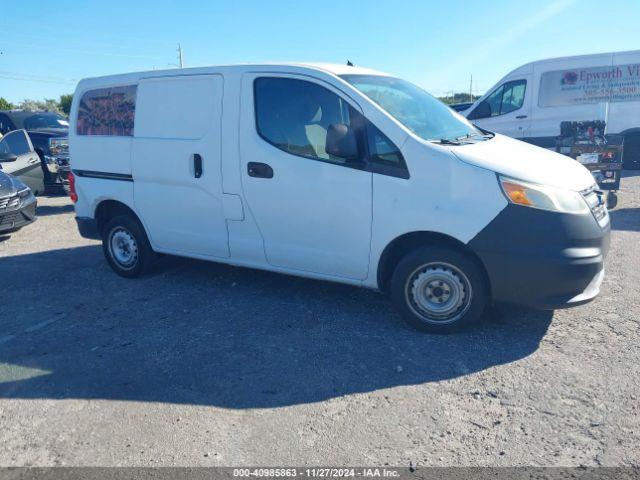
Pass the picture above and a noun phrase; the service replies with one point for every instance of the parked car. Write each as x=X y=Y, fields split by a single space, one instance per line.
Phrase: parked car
x=532 y=101
x=17 y=202
x=337 y=173
x=20 y=160
x=461 y=107
x=48 y=132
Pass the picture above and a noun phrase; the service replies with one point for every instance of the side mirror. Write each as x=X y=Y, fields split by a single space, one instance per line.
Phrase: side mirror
x=341 y=142
x=7 y=157
x=483 y=110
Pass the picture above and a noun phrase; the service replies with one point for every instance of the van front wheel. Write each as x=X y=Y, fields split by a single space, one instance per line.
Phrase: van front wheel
x=439 y=289
x=126 y=247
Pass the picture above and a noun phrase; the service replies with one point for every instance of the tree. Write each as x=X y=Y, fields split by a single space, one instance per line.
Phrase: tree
x=65 y=103
x=47 y=104
x=458 y=98
x=5 y=105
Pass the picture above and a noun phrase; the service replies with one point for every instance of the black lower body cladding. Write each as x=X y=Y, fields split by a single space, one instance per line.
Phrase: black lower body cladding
x=88 y=228
x=542 y=259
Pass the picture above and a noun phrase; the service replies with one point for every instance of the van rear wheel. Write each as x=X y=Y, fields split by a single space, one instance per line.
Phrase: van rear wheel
x=126 y=247
x=439 y=289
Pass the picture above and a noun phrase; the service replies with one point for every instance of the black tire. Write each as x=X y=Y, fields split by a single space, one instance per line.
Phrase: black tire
x=126 y=231
x=433 y=274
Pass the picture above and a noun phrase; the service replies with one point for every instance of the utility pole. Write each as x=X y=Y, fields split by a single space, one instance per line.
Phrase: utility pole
x=471 y=88
x=180 y=56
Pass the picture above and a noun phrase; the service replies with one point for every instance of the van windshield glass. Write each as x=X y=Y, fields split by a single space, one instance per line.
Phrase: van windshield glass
x=421 y=113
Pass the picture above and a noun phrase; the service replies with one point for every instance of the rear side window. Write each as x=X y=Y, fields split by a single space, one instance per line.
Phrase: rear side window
x=107 y=112
x=295 y=115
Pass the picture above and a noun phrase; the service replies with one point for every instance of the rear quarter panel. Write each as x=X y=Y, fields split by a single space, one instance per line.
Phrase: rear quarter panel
x=97 y=153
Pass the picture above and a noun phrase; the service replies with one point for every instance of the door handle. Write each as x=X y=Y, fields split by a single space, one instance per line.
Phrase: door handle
x=33 y=160
x=259 y=170
x=520 y=117
x=197 y=165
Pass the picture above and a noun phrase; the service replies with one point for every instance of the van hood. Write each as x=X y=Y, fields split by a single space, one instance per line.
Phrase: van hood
x=523 y=161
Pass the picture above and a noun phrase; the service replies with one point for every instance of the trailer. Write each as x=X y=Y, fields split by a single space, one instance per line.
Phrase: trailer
x=587 y=143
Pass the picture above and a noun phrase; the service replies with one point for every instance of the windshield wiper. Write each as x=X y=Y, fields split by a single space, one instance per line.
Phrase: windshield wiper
x=447 y=141
x=469 y=136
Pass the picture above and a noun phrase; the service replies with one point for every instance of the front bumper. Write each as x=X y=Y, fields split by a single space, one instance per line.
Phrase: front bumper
x=543 y=259
x=13 y=220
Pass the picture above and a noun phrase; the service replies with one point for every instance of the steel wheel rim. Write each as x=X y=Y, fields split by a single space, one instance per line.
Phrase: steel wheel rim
x=123 y=248
x=438 y=292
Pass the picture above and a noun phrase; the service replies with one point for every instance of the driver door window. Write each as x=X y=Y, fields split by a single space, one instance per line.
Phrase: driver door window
x=513 y=96
x=295 y=116
x=507 y=98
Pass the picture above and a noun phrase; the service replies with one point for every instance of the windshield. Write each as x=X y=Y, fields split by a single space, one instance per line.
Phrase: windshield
x=45 y=120
x=421 y=113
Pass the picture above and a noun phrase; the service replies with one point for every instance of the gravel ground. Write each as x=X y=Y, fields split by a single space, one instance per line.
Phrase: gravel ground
x=204 y=364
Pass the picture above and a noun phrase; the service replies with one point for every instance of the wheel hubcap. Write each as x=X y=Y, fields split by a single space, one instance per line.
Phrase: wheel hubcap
x=123 y=247
x=438 y=292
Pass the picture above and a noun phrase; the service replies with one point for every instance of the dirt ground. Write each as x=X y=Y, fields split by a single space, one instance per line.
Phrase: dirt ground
x=204 y=364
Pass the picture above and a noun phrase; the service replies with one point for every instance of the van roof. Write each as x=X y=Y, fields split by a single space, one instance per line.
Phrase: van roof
x=526 y=68
x=331 y=68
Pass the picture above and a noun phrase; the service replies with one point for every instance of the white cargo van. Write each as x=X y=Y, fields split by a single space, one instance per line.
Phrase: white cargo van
x=336 y=173
x=531 y=102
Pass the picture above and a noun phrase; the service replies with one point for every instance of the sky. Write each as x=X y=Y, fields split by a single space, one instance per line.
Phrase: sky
x=47 y=46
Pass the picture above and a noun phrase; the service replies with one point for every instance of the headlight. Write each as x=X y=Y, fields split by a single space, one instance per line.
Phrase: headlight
x=543 y=197
x=25 y=192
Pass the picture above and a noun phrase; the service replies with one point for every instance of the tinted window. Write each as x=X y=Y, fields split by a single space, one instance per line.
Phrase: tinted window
x=15 y=142
x=294 y=115
x=45 y=120
x=5 y=124
x=107 y=111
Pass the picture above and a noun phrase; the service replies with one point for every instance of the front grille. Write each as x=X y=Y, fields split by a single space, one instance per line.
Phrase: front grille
x=9 y=202
x=9 y=219
x=595 y=200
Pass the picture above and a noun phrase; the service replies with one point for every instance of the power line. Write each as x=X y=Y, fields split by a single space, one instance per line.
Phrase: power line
x=57 y=49
x=25 y=77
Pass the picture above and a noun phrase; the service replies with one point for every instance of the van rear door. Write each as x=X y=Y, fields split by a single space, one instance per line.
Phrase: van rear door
x=176 y=164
